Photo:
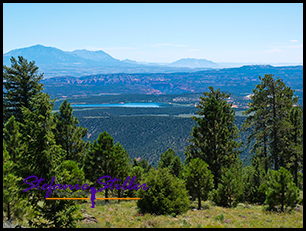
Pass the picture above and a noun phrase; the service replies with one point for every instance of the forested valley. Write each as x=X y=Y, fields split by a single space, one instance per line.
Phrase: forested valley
x=205 y=177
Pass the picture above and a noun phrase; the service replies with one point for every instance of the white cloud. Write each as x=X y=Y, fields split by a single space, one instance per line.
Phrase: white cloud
x=293 y=41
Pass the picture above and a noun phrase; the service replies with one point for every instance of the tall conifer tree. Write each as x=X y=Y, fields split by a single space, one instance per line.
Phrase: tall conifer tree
x=69 y=135
x=13 y=140
x=213 y=137
x=99 y=161
x=20 y=83
x=271 y=103
x=199 y=180
x=121 y=165
x=295 y=138
x=43 y=158
x=14 y=205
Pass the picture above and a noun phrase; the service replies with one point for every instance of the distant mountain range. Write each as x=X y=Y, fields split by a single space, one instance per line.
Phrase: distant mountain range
x=55 y=62
x=194 y=63
x=239 y=81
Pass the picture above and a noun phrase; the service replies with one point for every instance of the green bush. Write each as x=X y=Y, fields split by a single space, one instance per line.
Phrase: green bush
x=220 y=217
x=230 y=191
x=199 y=180
x=281 y=190
x=166 y=194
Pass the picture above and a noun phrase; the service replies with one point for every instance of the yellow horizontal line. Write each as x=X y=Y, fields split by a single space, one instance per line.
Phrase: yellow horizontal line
x=89 y=198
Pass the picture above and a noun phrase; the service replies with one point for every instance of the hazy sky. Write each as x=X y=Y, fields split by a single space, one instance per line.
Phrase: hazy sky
x=159 y=32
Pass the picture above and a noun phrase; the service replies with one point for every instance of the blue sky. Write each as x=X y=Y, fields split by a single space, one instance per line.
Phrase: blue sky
x=159 y=32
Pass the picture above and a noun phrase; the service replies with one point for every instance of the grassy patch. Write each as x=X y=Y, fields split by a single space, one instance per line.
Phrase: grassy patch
x=126 y=215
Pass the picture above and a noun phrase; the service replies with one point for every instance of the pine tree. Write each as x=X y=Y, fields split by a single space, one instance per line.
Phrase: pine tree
x=100 y=160
x=43 y=158
x=65 y=213
x=13 y=149
x=281 y=189
x=176 y=167
x=230 y=189
x=169 y=160
x=213 y=137
x=271 y=102
x=20 y=83
x=42 y=152
x=257 y=125
x=295 y=160
x=138 y=172
x=121 y=165
x=13 y=140
x=166 y=158
x=254 y=178
x=199 y=180
x=166 y=194
x=144 y=164
x=69 y=135
x=14 y=206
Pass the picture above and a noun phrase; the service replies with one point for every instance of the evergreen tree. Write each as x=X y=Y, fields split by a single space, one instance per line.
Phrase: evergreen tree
x=138 y=172
x=14 y=206
x=98 y=159
x=43 y=159
x=166 y=158
x=199 y=180
x=105 y=158
x=65 y=213
x=121 y=165
x=13 y=140
x=166 y=194
x=254 y=177
x=295 y=146
x=20 y=83
x=169 y=160
x=230 y=190
x=213 y=137
x=144 y=164
x=259 y=131
x=281 y=189
x=176 y=167
x=68 y=135
x=42 y=153
x=271 y=102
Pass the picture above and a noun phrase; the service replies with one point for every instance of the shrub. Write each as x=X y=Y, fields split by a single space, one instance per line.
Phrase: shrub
x=281 y=189
x=230 y=190
x=199 y=180
x=166 y=194
x=220 y=217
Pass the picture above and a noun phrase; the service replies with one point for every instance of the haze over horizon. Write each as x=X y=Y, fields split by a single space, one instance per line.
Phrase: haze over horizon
x=183 y=62
x=161 y=33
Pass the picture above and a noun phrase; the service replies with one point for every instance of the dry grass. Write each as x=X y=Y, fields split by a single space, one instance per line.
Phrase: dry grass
x=125 y=215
